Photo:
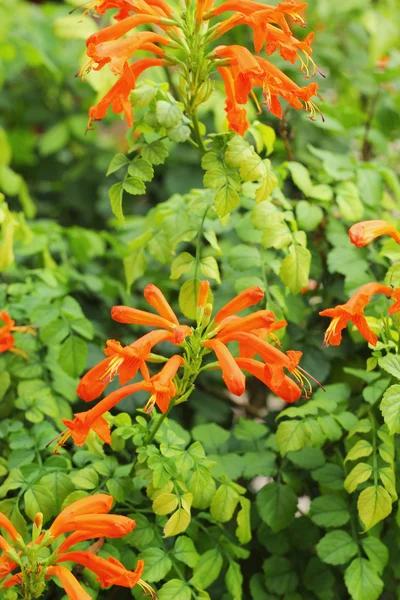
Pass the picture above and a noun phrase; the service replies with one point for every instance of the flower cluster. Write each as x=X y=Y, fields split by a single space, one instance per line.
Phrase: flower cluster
x=84 y=520
x=191 y=32
x=352 y=311
x=167 y=387
x=7 y=340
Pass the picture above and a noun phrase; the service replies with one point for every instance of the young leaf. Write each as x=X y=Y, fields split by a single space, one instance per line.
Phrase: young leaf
x=361 y=472
x=362 y=581
x=390 y=408
x=291 y=436
x=234 y=580
x=224 y=503
x=243 y=530
x=295 y=268
x=361 y=449
x=185 y=551
x=374 y=504
x=116 y=192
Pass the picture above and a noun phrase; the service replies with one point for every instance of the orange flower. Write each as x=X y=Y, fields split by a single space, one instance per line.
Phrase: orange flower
x=98 y=504
x=261 y=319
x=7 y=341
x=166 y=320
x=364 y=232
x=247 y=350
x=290 y=48
x=236 y=114
x=203 y=293
x=93 y=419
x=157 y=7
x=6 y=524
x=353 y=311
x=287 y=389
x=163 y=387
x=99 y=525
x=115 y=31
x=124 y=360
x=69 y=582
x=231 y=374
x=109 y=572
x=203 y=7
x=245 y=299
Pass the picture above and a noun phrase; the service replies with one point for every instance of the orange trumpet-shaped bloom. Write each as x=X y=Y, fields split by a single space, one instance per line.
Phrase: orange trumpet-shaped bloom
x=202 y=8
x=6 y=524
x=163 y=387
x=6 y=338
x=98 y=504
x=247 y=350
x=109 y=572
x=287 y=389
x=158 y=301
x=111 y=526
x=233 y=377
x=353 y=311
x=115 y=31
x=364 y=232
x=69 y=582
x=17 y=580
x=203 y=293
x=124 y=360
x=93 y=419
x=245 y=299
x=126 y=314
x=259 y=320
x=236 y=114
x=6 y=566
x=118 y=96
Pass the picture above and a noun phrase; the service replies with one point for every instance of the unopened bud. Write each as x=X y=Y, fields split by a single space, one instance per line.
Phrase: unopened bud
x=38 y=520
x=206 y=315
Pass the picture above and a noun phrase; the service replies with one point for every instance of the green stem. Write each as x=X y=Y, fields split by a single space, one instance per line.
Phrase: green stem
x=374 y=455
x=160 y=421
x=198 y=243
x=198 y=136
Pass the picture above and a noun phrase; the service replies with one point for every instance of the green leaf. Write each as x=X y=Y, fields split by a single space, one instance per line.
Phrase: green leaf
x=362 y=581
x=237 y=151
x=209 y=268
x=241 y=256
x=188 y=295
x=295 y=268
x=72 y=356
x=37 y=499
x=116 y=193
x=329 y=511
x=277 y=236
x=308 y=458
x=207 y=569
x=291 y=436
x=361 y=472
x=211 y=435
x=268 y=183
x=301 y=177
x=308 y=215
x=264 y=136
x=181 y=264
x=118 y=161
x=234 y=580
x=202 y=486
x=359 y=450
x=141 y=169
x=177 y=523
x=5 y=381
x=59 y=486
x=277 y=505
x=348 y=199
x=185 y=551
x=374 y=504
x=174 y=589
x=280 y=577
x=54 y=139
x=329 y=476
x=226 y=200
x=143 y=94
x=252 y=168
x=168 y=114
x=85 y=479
x=165 y=504
x=5 y=148
x=134 y=186
x=134 y=266
x=224 y=503
x=243 y=530
x=10 y=509
x=391 y=364
x=377 y=553
x=155 y=153
x=336 y=548
x=157 y=564
x=372 y=392
x=390 y=408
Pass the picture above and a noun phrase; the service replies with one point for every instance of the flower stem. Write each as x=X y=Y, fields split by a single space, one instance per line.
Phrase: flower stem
x=197 y=134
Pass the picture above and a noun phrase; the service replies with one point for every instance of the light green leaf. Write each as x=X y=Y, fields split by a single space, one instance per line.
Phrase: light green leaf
x=141 y=169
x=116 y=193
x=209 y=268
x=207 y=569
x=277 y=504
x=234 y=580
x=252 y=168
x=374 y=504
x=224 y=503
x=185 y=551
x=134 y=266
x=336 y=548
x=359 y=450
x=362 y=581
x=377 y=553
x=243 y=530
x=391 y=364
x=157 y=564
x=291 y=436
x=264 y=136
x=276 y=236
x=308 y=215
x=134 y=186
x=329 y=511
x=237 y=151
x=181 y=264
x=58 y=486
x=85 y=479
x=188 y=295
x=174 y=589
x=241 y=256
x=295 y=268
x=155 y=153
x=118 y=161
x=168 y=114
x=177 y=523
x=301 y=177
x=37 y=499
x=165 y=504
x=348 y=199
x=72 y=355
x=268 y=183
x=226 y=200
x=361 y=472
x=390 y=408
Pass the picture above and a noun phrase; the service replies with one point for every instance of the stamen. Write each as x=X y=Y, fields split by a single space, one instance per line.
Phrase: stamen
x=61 y=439
x=147 y=589
x=252 y=94
x=112 y=369
x=150 y=405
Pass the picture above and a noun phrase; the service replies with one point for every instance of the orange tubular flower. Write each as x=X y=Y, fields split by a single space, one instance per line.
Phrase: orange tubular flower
x=353 y=311
x=99 y=525
x=98 y=504
x=69 y=582
x=124 y=360
x=109 y=572
x=93 y=419
x=261 y=319
x=158 y=301
x=115 y=31
x=203 y=293
x=231 y=374
x=6 y=524
x=7 y=341
x=288 y=390
x=245 y=299
x=163 y=387
x=364 y=232
x=236 y=114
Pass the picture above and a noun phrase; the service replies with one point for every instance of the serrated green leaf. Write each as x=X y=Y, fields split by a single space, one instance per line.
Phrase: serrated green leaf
x=165 y=504
x=188 y=295
x=72 y=355
x=237 y=151
x=377 y=553
x=277 y=505
x=37 y=499
x=243 y=530
x=224 y=503
x=177 y=523
x=185 y=551
x=142 y=169
x=226 y=200
x=361 y=472
x=174 y=589
x=234 y=580
x=168 y=114
x=295 y=268
x=116 y=193
x=276 y=236
x=390 y=408
x=209 y=267
x=157 y=564
x=362 y=581
x=391 y=364
x=134 y=186
x=359 y=450
x=207 y=569
x=280 y=577
x=336 y=548
x=374 y=504
x=155 y=153
x=118 y=161
x=252 y=168
x=291 y=436
x=329 y=511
